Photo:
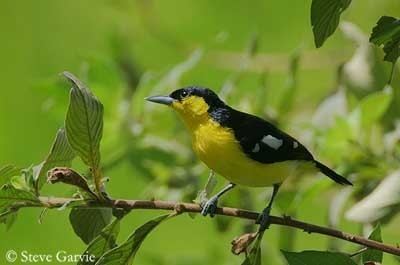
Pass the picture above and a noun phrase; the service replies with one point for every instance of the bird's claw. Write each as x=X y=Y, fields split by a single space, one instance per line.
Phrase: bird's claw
x=264 y=219
x=209 y=207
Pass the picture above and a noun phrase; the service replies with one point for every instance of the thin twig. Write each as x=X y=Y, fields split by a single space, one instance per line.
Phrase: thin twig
x=358 y=252
x=50 y=202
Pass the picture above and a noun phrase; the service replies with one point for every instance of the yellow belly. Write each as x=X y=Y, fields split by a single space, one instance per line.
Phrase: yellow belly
x=217 y=147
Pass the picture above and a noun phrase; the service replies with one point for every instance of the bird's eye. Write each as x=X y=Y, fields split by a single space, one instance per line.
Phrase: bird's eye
x=184 y=94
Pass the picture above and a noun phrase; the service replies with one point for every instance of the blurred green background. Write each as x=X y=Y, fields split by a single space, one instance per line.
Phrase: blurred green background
x=254 y=53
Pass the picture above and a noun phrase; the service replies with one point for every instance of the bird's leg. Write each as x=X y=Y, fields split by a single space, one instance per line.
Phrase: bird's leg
x=210 y=206
x=263 y=218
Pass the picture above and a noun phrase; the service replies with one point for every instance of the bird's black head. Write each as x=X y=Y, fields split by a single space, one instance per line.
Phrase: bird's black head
x=192 y=103
x=209 y=96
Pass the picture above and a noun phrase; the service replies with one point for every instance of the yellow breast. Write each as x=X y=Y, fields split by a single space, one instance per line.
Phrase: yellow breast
x=217 y=147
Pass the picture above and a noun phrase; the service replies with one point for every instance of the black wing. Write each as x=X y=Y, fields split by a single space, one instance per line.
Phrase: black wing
x=261 y=140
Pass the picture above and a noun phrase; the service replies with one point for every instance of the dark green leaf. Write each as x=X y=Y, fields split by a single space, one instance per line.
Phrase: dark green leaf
x=7 y=172
x=373 y=254
x=387 y=33
x=105 y=241
x=61 y=155
x=325 y=16
x=311 y=257
x=125 y=253
x=88 y=222
x=10 y=195
x=84 y=122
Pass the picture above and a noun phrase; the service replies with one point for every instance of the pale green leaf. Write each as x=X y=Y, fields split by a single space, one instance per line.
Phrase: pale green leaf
x=374 y=106
x=105 y=241
x=84 y=122
x=7 y=172
x=61 y=155
x=88 y=222
x=126 y=252
x=311 y=257
x=325 y=16
x=373 y=255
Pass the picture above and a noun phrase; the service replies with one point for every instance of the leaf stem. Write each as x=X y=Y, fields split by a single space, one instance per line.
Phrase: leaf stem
x=392 y=73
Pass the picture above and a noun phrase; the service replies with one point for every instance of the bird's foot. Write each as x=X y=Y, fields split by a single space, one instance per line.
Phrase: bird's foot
x=264 y=219
x=209 y=207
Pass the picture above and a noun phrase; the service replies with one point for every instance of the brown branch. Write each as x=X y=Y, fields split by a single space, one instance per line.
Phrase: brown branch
x=50 y=202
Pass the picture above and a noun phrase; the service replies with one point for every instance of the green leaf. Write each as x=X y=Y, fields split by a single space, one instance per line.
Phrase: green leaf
x=325 y=15
x=84 y=122
x=88 y=222
x=387 y=33
x=374 y=106
x=10 y=195
x=254 y=257
x=125 y=253
x=311 y=257
x=61 y=155
x=373 y=255
x=7 y=172
x=105 y=241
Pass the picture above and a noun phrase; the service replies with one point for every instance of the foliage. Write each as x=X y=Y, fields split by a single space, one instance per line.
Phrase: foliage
x=317 y=257
x=353 y=130
x=325 y=15
x=372 y=255
x=387 y=33
x=125 y=253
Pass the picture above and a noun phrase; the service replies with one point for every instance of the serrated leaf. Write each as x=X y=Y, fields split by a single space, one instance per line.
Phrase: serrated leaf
x=105 y=241
x=7 y=172
x=125 y=253
x=311 y=257
x=325 y=16
x=61 y=155
x=387 y=33
x=379 y=203
x=10 y=195
x=374 y=255
x=88 y=222
x=84 y=122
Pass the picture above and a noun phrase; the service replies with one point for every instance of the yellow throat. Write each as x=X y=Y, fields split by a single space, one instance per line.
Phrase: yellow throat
x=218 y=148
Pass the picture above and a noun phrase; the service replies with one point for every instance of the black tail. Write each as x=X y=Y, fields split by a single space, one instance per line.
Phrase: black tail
x=332 y=174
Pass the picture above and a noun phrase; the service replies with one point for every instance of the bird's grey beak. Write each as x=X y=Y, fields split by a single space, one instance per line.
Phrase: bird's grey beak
x=166 y=100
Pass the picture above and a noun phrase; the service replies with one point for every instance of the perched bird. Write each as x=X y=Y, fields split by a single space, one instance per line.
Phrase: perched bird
x=243 y=148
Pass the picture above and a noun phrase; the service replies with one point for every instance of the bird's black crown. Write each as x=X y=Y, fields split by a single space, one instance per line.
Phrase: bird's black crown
x=209 y=96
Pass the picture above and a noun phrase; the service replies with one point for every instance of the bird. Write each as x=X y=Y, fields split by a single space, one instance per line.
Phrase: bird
x=243 y=148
